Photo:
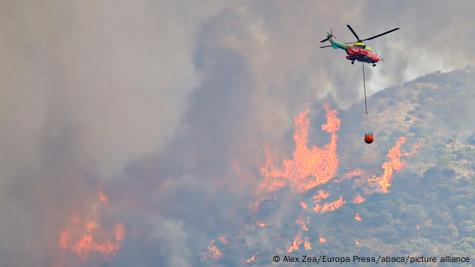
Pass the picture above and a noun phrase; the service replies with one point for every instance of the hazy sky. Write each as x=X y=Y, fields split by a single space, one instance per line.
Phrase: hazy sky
x=143 y=96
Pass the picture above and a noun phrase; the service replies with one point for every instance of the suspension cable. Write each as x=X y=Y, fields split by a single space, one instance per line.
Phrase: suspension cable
x=364 y=89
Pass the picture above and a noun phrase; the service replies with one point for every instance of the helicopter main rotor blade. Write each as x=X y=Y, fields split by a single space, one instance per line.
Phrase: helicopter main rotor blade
x=381 y=34
x=324 y=40
x=354 y=33
x=325 y=46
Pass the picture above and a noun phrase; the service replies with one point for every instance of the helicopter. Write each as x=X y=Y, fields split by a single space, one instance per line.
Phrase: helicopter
x=357 y=51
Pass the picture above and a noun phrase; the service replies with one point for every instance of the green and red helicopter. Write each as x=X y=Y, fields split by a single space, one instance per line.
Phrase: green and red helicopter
x=357 y=51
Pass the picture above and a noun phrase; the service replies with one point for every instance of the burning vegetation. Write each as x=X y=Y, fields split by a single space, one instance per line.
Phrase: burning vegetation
x=312 y=168
x=84 y=235
x=312 y=171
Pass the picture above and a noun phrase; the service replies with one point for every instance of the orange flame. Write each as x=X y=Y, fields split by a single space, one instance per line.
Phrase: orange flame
x=392 y=164
x=63 y=240
x=322 y=240
x=310 y=167
x=262 y=224
x=252 y=259
x=103 y=198
x=321 y=194
x=358 y=199
x=86 y=236
x=213 y=251
x=88 y=243
x=307 y=245
x=330 y=206
x=295 y=244
x=303 y=205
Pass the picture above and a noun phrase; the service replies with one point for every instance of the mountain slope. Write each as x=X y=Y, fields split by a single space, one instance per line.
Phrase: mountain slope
x=428 y=210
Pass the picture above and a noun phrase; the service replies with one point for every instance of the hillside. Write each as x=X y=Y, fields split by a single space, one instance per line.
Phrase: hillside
x=436 y=110
x=429 y=209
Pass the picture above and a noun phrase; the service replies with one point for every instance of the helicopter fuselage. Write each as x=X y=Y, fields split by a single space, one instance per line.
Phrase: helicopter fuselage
x=357 y=52
x=362 y=55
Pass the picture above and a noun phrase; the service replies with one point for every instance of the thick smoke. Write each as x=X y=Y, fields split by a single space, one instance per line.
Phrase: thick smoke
x=87 y=87
x=167 y=105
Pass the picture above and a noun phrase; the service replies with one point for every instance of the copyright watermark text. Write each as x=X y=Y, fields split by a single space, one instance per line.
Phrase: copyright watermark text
x=327 y=259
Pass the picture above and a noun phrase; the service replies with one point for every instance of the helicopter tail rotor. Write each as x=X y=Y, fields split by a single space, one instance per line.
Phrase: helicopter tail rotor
x=329 y=36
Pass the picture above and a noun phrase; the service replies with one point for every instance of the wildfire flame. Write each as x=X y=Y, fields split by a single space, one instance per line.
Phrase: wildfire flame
x=262 y=224
x=85 y=236
x=358 y=199
x=307 y=245
x=310 y=166
x=295 y=244
x=322 y=240
x=103 y=198
x=330 y=206
x=252 y=259
x=321 y=195
x=213 y=251
x=393 y=164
